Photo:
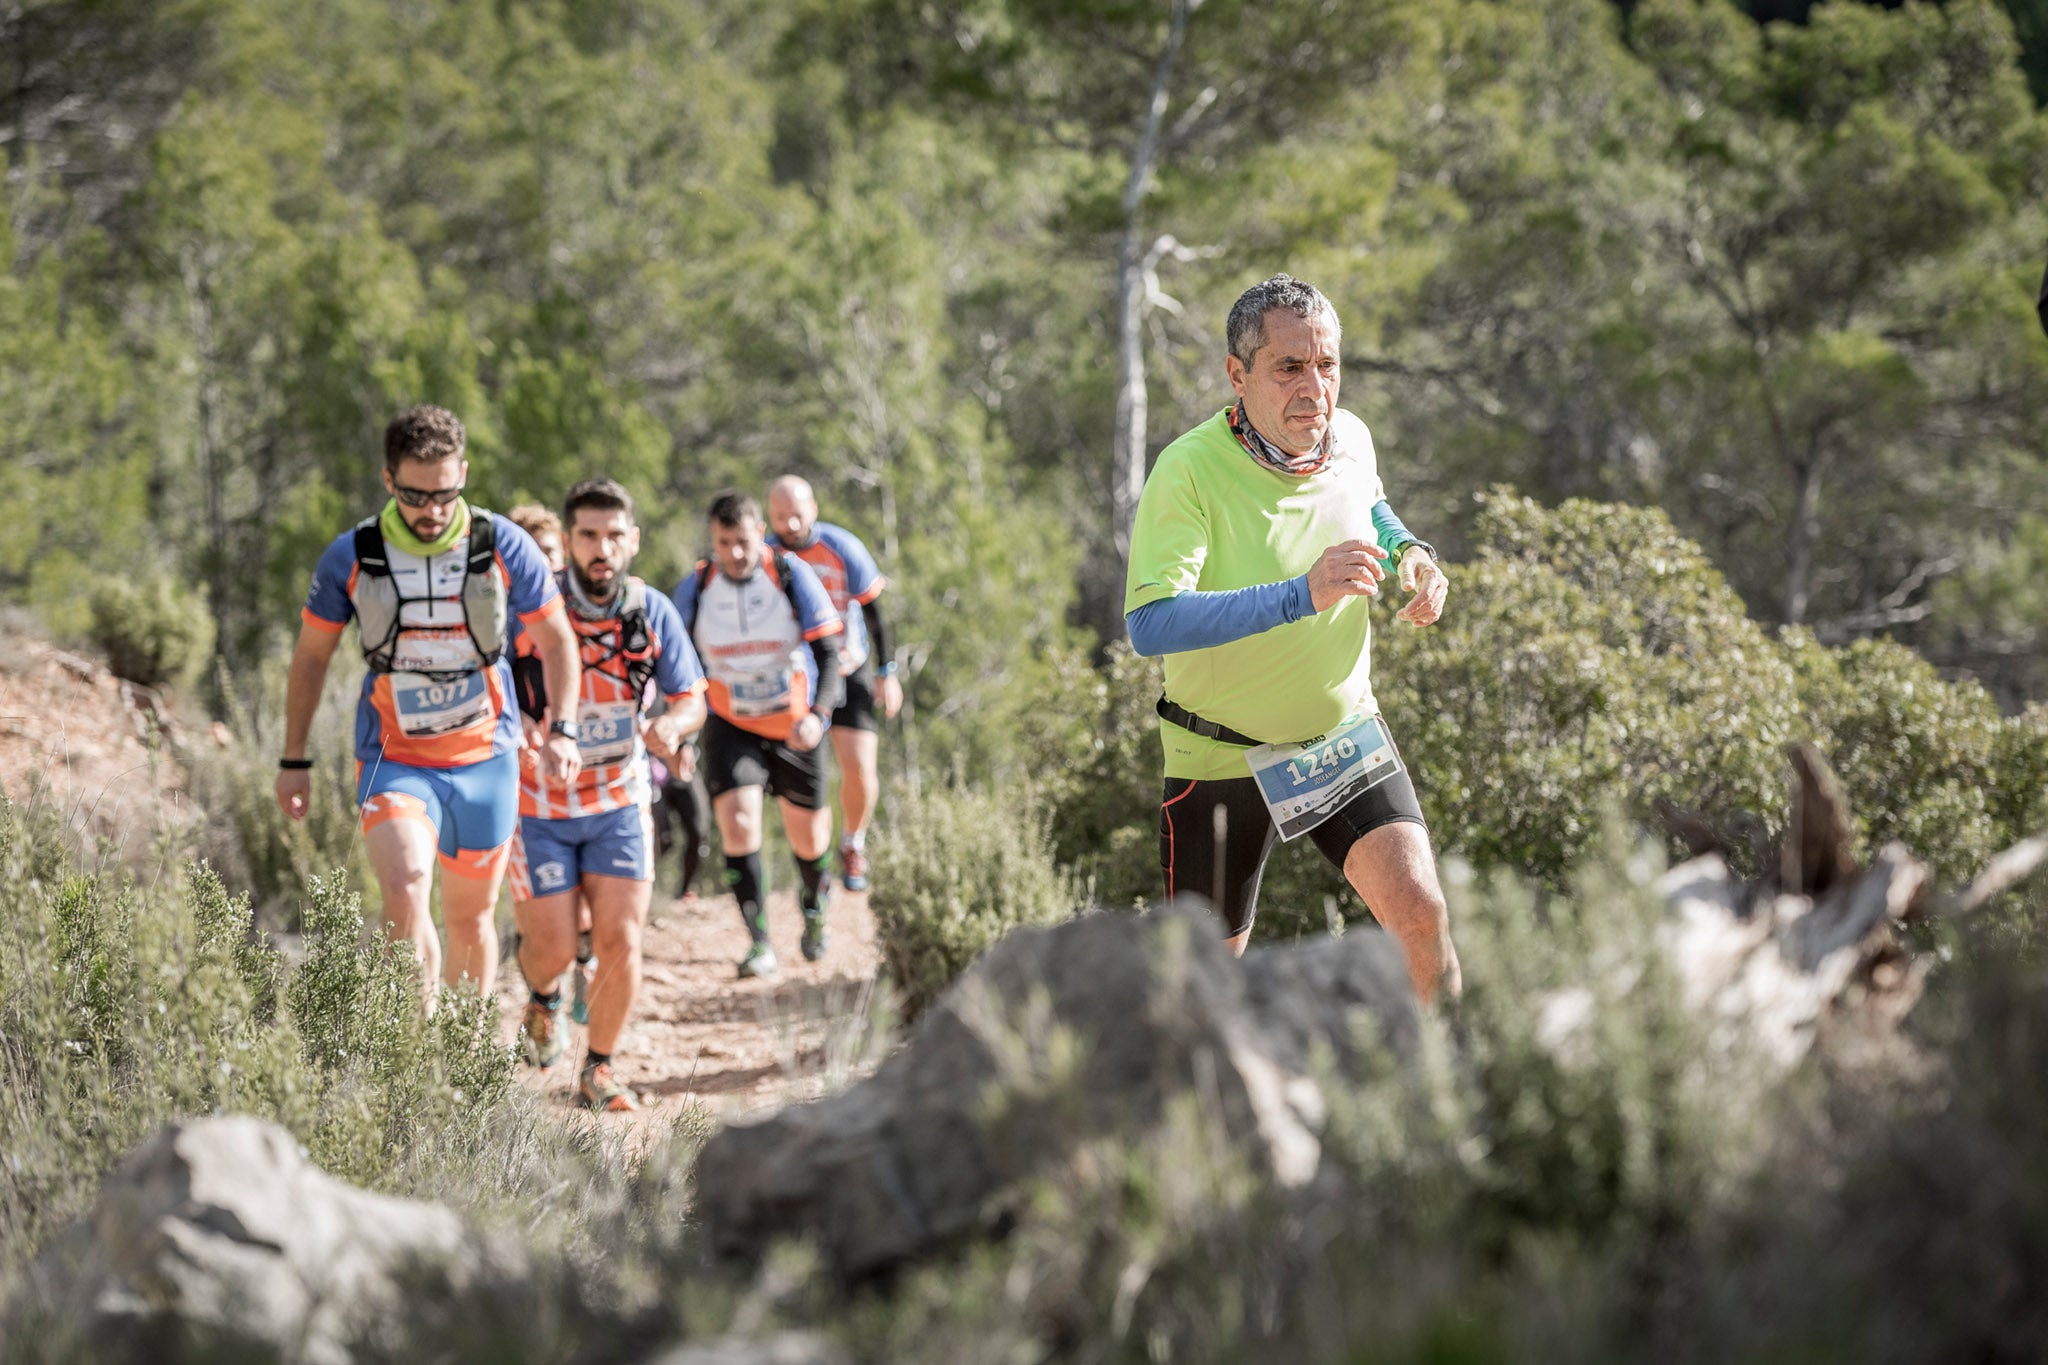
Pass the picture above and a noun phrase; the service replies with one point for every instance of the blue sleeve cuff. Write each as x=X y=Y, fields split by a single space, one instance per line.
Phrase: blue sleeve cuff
x=1203 y=620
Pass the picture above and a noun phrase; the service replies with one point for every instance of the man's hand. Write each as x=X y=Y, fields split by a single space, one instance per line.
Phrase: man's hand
x=682 y=765
x=889 y=692
x=560 y=760
x=1351 y=569
x=1424 y=577
x=804 y=736
x=295 y=792
x=665 y=735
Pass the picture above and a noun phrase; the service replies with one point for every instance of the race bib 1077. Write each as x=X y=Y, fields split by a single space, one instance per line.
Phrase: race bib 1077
x=427 y=707
x=1303 y=784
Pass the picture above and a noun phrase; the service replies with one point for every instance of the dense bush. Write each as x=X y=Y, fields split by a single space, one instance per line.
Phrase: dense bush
x=123 y=1005
x=157 y=632
x=959 y=869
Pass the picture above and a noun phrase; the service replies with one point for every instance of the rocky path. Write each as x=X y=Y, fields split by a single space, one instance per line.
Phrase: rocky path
x=701 y=1035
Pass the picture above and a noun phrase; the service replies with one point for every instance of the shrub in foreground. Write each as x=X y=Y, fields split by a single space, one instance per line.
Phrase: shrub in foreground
x=124 y=1005
x=957 y=870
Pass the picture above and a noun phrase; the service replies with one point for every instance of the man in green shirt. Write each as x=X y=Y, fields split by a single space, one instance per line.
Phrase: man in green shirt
x=1257 y=537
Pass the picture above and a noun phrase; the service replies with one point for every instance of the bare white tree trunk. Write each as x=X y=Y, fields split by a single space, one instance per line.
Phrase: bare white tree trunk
x=1133 y=262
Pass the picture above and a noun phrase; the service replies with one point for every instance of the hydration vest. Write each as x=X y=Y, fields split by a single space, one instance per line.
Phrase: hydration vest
x=635 y=644
x=380 y=607
x=783 y=576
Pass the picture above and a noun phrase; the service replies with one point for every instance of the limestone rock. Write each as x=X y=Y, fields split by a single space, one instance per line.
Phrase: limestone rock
x=785 y=1348
x=219 y=1229
x=1060 y=1036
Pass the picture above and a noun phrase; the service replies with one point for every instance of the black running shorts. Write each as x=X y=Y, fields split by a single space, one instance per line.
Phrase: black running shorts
x=1226 y=870
x=735 y=758
x=857 y=711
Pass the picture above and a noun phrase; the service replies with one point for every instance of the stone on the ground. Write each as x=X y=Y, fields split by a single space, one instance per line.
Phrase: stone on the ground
x=785 y=1348
x=1110 y=1025
x=221 y=1229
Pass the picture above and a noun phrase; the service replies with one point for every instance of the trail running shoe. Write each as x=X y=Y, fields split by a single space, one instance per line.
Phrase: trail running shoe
x=580 y=977
x=599 y=1089
x=542 y=1034
x=853 y=868
x=814 y=934
x=759 y=961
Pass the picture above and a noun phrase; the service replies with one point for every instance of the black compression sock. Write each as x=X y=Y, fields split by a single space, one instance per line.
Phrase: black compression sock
x=550 y=1000
x=812 y=870
x=743 y=875
x=595 y=1058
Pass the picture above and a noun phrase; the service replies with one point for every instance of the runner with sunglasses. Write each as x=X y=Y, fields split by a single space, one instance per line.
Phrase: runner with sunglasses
x=431 y=583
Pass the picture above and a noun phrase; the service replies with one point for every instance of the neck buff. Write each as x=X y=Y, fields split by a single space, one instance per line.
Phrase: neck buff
x=586 y=606
x=1272 y=456
x=396 y=532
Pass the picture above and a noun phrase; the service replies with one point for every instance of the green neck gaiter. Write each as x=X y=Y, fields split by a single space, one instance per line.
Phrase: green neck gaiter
x=398 y=534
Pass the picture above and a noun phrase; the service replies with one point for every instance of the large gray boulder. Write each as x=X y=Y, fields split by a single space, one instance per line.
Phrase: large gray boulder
x=220 y=1230
x=1104 y=1026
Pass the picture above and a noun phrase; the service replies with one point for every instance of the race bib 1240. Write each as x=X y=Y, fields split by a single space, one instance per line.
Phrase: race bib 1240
x=1303 y=784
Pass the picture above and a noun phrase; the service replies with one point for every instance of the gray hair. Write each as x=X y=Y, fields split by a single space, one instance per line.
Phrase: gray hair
x=1247 y=329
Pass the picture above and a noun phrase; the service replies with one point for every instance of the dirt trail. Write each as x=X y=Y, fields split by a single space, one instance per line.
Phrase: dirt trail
x=700 y=1034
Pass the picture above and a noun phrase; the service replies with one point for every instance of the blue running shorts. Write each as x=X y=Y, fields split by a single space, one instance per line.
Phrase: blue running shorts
x=553 y=856
x=474 y=809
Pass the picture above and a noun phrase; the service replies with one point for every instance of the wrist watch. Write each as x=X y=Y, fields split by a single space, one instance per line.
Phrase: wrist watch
x=565 y=728
x=1422 y=545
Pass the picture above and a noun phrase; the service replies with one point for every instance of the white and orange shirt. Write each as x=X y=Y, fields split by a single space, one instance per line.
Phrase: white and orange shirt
x=850 y=578
x=754 y=639
x=615 y=771
x=440 y=706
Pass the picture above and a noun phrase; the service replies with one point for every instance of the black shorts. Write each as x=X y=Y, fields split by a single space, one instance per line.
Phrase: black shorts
x=857 y=710
x=735 y=758
x=1227 y=876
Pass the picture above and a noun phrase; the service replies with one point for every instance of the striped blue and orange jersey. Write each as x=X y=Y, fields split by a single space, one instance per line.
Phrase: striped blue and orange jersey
x=850 y=578
x=615 y=772
x=431 y=722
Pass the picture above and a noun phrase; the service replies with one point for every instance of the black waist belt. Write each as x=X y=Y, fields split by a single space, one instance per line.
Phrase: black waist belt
x=1207 y=729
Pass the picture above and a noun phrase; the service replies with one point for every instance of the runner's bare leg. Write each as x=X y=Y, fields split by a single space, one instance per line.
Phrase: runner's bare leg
x=1394 y=872
x=859 y=779
x=469 y=902
x=401 y=853
x=809 y=831
x=618 y=921
x=547 y=938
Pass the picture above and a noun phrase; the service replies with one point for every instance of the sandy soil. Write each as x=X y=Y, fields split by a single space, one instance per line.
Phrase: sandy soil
x=701 y=1035
x=73 y=735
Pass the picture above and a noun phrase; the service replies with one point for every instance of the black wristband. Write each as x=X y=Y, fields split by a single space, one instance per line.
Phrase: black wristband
x=295 y=765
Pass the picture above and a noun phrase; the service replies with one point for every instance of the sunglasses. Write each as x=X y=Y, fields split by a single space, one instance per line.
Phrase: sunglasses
x=420 y=497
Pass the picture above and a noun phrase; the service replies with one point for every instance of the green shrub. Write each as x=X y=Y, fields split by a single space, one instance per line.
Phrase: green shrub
x=1103 y=793
x=157 y=633
x=252 y=843
x=1590 y=657
x=959 y=869
x=125 y=1004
